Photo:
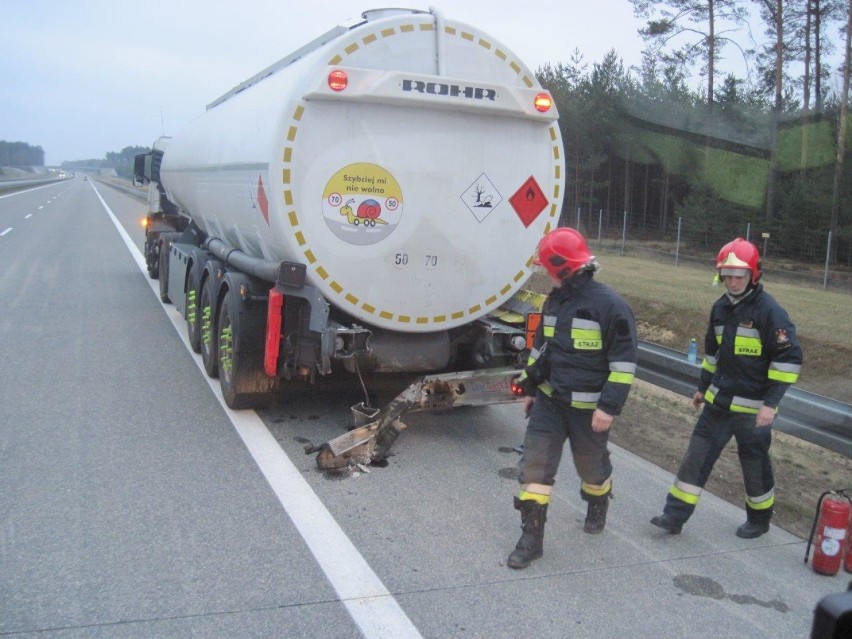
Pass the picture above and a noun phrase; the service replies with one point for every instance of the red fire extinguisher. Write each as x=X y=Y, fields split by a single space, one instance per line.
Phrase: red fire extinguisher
x=831 y=523
x=847 y=562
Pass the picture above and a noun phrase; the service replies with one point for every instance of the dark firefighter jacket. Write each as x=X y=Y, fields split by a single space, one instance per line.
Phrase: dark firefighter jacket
x=587 y=337
x=752 y=354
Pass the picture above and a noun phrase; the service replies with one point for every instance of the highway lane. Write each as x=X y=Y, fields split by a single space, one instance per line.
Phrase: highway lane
x=435 y=525
x=130 y=506
x=19 y=207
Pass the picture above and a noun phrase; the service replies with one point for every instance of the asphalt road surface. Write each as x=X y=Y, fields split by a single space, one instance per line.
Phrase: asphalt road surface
x=134 y=504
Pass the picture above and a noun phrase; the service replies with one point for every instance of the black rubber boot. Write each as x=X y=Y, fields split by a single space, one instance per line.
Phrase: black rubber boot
x=757 y=523
x=752 y=529
x=595 y=513
x=531 y=544
x=668 y=524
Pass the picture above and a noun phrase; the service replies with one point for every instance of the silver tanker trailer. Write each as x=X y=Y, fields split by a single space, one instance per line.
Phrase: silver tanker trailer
x=371 y=203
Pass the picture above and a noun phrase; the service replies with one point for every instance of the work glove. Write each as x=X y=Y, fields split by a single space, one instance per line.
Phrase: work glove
x=524 y=386
x=532 y=377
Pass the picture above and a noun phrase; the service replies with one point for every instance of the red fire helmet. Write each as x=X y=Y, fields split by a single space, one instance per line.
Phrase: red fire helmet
x=739 y=256
x=563 y=252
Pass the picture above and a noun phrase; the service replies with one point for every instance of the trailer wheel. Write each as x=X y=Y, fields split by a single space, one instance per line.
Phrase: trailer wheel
x=152 y=265
x=151 y=256
x=163 y=269
x=240 y=346
x=209 y=354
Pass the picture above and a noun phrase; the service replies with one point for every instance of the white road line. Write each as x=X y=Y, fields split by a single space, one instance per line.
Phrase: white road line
x=28 y=216
x=371 y=606
x=8 y=230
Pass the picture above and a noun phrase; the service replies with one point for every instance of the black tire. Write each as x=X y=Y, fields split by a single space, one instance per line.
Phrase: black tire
x=163 y=269
x=193 y=313
x=208 y=341
x=240 y=330
x=151 y=259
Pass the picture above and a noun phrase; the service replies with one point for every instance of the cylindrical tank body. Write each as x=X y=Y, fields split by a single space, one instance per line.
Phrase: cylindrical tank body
x=415 y=195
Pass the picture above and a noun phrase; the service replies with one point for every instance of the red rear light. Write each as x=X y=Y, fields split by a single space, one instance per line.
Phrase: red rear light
x=338 y=80
x=543 y=102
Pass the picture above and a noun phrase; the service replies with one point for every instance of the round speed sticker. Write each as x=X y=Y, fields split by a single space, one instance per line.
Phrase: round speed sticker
x=362 y=203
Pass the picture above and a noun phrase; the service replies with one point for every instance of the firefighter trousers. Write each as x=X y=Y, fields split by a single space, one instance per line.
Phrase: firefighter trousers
x=550 y=424
x=713 y=431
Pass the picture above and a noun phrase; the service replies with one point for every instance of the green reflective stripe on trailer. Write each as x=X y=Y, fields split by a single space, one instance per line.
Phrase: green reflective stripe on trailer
x=190 y=307
x=206 y=325
x=226 y=344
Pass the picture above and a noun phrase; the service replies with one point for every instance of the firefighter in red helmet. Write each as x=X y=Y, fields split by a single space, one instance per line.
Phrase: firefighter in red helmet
x=751 y=357
x=577 y=379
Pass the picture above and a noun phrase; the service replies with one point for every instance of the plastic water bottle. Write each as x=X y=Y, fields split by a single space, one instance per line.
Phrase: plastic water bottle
x=692 y=353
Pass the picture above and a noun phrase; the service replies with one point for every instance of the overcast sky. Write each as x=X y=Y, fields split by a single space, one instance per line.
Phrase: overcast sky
x=86 y=77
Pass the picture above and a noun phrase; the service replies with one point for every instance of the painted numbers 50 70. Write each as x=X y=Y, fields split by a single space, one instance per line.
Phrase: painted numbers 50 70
x=429 y=261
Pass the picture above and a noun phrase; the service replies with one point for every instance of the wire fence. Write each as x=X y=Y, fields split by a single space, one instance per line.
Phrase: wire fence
x=698 y=242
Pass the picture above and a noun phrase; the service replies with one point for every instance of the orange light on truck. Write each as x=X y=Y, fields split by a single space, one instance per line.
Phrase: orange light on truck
x=543 y=102
x=338 y=80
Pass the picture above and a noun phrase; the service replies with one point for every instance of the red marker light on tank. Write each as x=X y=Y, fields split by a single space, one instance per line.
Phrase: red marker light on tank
x=338 y=80
x=543 y=102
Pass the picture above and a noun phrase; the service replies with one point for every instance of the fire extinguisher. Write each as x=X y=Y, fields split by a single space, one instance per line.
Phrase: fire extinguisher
x=847 y=562
x=831 y=523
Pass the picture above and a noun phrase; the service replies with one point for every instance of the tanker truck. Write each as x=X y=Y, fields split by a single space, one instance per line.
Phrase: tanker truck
x=371 y=203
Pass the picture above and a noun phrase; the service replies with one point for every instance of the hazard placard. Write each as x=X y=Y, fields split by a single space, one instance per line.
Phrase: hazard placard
x=528 y=201
x=262 y=202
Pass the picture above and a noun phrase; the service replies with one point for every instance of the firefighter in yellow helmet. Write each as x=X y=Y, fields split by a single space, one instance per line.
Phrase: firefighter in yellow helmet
x=752 y=356
x=577 y=380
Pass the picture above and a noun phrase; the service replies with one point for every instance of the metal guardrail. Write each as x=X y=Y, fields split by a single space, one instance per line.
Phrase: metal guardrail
x=813 y=418
x=816 y=419
x=14 y=184
x=129 y=190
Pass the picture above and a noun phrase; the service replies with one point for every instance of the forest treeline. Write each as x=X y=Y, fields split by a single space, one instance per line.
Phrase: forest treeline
x=120 y=161
x=20 y=154
x=645 y=149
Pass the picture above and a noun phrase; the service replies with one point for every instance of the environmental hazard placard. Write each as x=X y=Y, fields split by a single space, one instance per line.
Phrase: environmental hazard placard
x=481 y=197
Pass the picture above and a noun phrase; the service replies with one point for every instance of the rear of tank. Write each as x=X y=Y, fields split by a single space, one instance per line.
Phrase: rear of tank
x=415 y=194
